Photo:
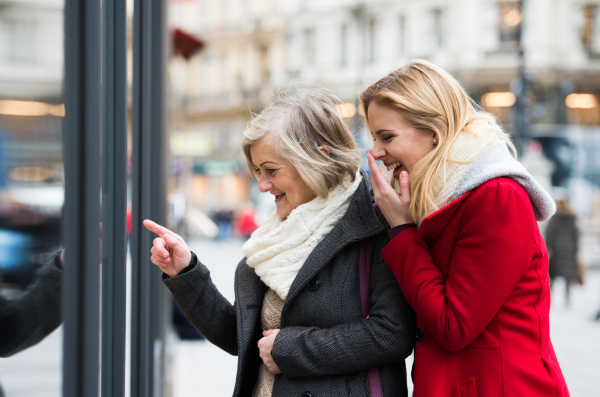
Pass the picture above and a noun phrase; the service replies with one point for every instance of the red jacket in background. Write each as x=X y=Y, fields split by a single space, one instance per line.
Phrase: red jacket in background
x=476 y=274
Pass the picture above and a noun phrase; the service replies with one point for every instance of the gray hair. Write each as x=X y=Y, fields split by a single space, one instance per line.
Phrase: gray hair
x=298 y=120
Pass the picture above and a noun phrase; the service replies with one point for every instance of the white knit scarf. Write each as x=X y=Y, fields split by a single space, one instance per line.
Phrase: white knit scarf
x=467 y=147
x=278 y=249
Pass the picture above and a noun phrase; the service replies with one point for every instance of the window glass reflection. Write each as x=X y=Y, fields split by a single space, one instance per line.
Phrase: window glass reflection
x=31 y=197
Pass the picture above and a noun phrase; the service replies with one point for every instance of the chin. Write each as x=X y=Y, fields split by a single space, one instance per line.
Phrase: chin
x=283 y=212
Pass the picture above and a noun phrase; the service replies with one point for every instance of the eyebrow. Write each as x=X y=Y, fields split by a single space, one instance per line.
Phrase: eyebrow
x=267 y=162
x=380 y=131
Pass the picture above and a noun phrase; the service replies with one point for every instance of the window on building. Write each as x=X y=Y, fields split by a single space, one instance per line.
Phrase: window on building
x=20 y=40
x=309 y=45
x=590 y=33
x=224 y=11
x=509 y=26
x=437 y=17
x=344 y=45
x=402 y=34
x=372 y=29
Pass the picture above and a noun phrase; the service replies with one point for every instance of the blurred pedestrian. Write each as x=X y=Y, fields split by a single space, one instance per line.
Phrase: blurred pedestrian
x=245 y=221
x=562 y=240
x=224 y=219
x=297 y=291
x=473 y=264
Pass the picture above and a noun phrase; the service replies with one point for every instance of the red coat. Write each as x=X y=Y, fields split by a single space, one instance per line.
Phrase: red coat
x=476 y=274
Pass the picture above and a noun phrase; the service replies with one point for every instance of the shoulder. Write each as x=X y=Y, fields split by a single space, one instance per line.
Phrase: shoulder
x=500 y=201
x=499 y=189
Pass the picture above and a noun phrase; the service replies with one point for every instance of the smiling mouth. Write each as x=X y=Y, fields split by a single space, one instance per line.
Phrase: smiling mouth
x=394 y=166
x=279 y=196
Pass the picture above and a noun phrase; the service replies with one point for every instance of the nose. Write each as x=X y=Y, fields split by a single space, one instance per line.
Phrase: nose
x=378 y=152
x=263 y=184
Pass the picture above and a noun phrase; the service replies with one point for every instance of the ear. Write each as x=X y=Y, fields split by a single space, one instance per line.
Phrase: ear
x=324 y=150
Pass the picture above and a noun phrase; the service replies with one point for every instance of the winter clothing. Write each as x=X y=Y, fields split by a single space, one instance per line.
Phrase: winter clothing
x=324 y=346
x=278 y=249
x=270 y=319
x=29 y=319
x=562 y=240
x=24 y=322
x=475 y=272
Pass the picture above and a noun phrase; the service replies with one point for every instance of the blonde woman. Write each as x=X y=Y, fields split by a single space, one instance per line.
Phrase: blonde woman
x=465 y=248
x=297 y=325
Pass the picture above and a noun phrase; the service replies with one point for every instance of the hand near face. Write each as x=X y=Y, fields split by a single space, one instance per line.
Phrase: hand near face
x=265 y=346
x=169 y=252
x=395 y=207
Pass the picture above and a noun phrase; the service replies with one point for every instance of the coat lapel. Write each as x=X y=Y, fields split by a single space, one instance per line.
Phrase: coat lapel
x=433 y=225
x=249 y=292
x=359 y=222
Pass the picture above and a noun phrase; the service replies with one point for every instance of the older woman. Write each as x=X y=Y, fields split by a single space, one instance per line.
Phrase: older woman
x=473 y=265
x=297 y=324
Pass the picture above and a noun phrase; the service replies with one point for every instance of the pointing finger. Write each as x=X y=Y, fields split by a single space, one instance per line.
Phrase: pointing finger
x=158 y=229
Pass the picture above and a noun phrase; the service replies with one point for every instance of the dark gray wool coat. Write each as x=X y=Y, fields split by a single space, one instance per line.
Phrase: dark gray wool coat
x=324 y=347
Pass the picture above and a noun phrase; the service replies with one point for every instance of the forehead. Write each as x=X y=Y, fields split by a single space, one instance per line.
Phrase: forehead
x=384 y=117
x=263 y=151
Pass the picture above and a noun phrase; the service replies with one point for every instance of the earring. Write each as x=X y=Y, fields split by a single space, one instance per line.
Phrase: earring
x=435 y=141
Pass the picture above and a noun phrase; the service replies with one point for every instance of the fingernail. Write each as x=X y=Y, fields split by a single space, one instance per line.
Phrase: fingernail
x=403 y=175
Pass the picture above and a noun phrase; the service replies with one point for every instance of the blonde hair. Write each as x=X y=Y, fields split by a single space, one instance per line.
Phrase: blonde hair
x=298 y=120
x=432 y=101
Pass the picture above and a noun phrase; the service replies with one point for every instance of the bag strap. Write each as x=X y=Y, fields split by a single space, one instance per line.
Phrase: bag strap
x=364 y=273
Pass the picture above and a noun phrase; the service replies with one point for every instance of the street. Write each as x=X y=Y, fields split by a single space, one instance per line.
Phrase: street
x=199 y=369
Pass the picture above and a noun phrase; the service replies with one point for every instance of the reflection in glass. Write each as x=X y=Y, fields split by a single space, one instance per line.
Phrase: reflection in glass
x=31 y=197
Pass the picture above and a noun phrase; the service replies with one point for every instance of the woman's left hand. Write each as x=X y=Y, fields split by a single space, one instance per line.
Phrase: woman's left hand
x=265 y=346
x=394 y=206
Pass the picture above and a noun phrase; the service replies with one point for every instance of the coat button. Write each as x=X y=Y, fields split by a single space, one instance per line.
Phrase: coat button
x=306 y=394
x=420 y=334
x=313 y=284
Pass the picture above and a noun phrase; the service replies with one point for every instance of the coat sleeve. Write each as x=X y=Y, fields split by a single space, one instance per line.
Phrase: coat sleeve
x=26 y=321
x=205 y=307
x=386 y=336
x=493 y=249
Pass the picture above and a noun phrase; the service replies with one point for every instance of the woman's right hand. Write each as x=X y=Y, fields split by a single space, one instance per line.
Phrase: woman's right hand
x=169 y=252
x=394 y=206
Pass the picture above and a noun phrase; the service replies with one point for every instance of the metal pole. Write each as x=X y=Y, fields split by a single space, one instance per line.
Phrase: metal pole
x=114 y=197
x=148 y=178
x=81 y=305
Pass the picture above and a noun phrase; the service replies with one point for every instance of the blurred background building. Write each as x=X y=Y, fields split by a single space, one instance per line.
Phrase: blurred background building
x=534 y=64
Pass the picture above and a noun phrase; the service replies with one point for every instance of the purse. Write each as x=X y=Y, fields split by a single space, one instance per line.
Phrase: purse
x=364 y=273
